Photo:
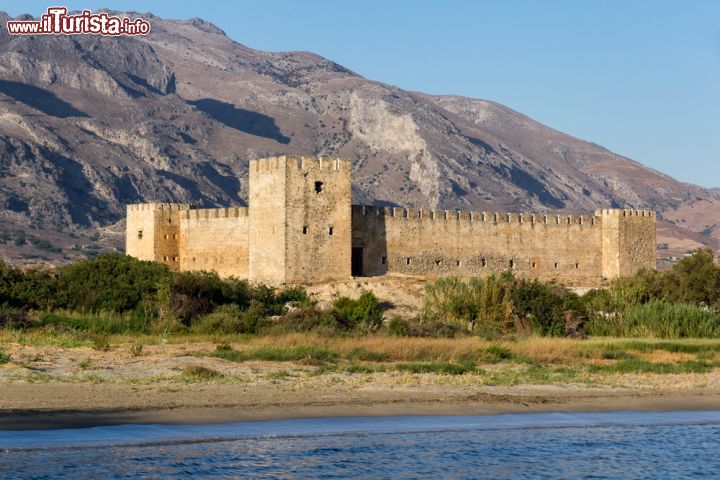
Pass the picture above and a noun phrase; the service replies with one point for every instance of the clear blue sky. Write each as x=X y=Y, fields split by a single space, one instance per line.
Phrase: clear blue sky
x=641 y=78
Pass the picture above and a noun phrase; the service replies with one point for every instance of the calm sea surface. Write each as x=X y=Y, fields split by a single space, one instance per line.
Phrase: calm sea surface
x=551 y=445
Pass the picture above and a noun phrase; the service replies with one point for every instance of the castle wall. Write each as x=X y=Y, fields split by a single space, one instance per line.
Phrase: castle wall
x=153 y=232
x=300 y=228
x=568 y=249
x=215 y=239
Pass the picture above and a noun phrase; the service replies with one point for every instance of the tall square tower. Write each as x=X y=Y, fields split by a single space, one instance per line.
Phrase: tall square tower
x=300 y=220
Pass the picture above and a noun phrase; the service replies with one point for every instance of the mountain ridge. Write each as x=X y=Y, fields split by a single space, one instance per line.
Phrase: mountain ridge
x=93 y=123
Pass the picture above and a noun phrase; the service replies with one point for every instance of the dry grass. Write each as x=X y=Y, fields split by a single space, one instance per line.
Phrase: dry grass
x=395 y=349
x=550 y=350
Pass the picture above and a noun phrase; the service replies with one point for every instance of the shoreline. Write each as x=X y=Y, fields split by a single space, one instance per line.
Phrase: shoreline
x=282 y=403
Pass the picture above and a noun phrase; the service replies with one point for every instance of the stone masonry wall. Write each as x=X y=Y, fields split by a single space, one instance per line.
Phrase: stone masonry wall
x=215 y=239
x=569 y=249
x=153 y=231
x=318 y=210
x=300 y=228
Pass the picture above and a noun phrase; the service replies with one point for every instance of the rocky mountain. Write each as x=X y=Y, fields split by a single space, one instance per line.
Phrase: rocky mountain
x=89 y=124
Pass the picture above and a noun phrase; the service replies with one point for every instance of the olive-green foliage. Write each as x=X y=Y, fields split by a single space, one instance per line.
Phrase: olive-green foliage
x=681 y=302
x=364 y=313
x=482 y=305
x=119 y=294
x=500 y=304
x=33 y=289
x=658 y=319
x=4 y=357
x=545 y=306
x=308 y=319
x=398 y=327
x=110 y=282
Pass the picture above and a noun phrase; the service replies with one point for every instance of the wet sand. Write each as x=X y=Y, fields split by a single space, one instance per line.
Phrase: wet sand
x=72 y=405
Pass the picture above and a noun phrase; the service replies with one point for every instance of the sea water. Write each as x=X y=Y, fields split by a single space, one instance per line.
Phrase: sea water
x=547 y=445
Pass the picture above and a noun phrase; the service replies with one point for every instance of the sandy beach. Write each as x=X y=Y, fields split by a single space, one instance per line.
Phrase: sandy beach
x=59 y=387
x=62 y=405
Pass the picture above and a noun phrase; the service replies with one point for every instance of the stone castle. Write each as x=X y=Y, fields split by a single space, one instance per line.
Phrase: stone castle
x=301 y=228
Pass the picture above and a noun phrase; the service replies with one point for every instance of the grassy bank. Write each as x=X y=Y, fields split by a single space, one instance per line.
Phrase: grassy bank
x=462 y=325
x=298 y=357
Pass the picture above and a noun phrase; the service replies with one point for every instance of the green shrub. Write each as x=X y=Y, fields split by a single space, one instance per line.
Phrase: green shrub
x=224 y=319
x=307 y=319
x=364 y=313
x=397 y=327
x=546 y=307
x=4 y=357
x=482 y=305
x=111 y=282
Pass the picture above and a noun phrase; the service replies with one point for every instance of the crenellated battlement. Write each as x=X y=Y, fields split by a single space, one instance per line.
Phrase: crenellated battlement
x=212 y=213
x=615 y=212
x=300 y=163
x=145 y=207
x=472 y=216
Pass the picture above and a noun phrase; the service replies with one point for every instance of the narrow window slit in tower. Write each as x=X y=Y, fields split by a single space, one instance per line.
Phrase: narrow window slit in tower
x=330 y=231
x=556 y=265
x=383 y=260
x=318 y=187
x=512 y=264
x=407 y=261
x=139 y=234
x=305 y=230
x=483 y=262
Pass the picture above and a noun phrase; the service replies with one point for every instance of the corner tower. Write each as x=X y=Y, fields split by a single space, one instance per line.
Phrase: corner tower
x=300 y=220
x=627 y=241
x=153 y=232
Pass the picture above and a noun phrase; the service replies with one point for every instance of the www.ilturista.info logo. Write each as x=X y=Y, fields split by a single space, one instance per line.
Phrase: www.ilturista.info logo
x=57 y=22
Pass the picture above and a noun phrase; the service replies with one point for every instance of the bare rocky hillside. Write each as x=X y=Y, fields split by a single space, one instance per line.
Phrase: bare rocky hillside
x=89 y=124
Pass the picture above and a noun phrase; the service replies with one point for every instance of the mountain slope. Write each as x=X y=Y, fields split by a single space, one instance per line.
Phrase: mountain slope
x=89 y=124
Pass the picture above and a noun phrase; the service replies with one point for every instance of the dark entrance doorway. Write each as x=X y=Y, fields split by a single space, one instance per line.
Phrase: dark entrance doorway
x=356 y=266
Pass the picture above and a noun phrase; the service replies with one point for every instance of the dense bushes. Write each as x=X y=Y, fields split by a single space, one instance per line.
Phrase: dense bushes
x=501 y=304
x=363 y=313
x=681 y=302
x=116 y=294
